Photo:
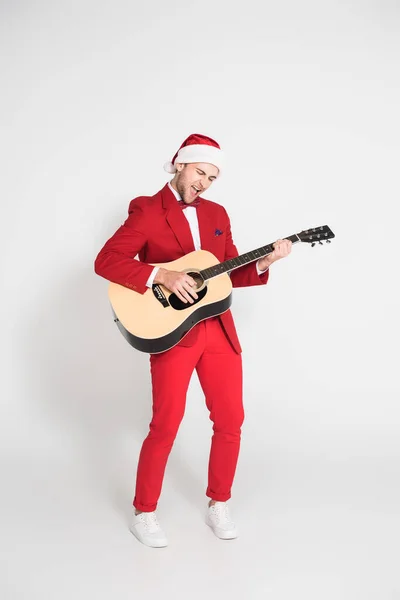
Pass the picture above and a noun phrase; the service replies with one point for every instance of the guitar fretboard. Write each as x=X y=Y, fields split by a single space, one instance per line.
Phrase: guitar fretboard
x=242 y=259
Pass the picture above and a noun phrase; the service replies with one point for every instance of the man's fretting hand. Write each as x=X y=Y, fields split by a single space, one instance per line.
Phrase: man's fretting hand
x=180 y=283
x=282 y=248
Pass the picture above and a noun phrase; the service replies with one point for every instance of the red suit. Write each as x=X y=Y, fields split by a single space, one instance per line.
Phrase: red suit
x=157 y=230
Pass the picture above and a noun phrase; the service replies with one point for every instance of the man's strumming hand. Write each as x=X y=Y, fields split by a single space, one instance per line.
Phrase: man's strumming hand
x=180 y=283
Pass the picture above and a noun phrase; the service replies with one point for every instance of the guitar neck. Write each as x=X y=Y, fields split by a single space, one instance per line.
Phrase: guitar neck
x=243 y=259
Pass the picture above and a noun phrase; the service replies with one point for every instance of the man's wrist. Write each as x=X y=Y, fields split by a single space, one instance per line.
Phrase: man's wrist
x=263 y=264
x=159 y=278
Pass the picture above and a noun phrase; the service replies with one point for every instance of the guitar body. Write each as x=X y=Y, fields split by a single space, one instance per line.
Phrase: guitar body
x=157 y=320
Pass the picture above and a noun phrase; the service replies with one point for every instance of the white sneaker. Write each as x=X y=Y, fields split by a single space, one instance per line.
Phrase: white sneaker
x=219 y=520
x=146 y=528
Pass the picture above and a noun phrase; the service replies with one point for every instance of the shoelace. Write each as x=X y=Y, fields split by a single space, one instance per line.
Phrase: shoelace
x=150 y=521
x=222 y=512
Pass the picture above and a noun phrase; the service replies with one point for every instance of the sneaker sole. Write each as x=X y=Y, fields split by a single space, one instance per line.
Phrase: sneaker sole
x=221 y=534
x=153 y=544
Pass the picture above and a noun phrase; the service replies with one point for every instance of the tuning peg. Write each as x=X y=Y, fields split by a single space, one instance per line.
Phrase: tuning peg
x=321 y=244
x=328 y=241
x=313 y=244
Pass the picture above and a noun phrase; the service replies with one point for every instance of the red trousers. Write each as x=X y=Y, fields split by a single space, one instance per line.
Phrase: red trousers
x=219 y=369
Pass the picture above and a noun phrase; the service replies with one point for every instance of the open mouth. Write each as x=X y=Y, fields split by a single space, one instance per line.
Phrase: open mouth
x=194 y=190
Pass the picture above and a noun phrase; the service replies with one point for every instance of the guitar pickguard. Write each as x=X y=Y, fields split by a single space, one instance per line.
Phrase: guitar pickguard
x=174 y=301
x=177 y=304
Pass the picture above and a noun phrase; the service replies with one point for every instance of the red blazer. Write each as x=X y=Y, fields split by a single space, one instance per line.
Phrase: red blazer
x=158 y=231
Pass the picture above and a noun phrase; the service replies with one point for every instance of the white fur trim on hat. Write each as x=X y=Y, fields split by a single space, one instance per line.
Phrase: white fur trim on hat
x=197 y=153
x=169 y=167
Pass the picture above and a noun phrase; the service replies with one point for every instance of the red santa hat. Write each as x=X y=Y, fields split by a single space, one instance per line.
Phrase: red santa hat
x=197 y=148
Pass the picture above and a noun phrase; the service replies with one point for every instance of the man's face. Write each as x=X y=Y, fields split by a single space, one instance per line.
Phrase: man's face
x=193 y=179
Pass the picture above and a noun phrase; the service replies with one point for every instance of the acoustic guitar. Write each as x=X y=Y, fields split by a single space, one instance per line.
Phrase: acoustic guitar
x=157 y=320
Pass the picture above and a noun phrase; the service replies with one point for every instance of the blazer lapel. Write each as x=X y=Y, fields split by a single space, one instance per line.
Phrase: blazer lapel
x=177 y=220
x=205 y=227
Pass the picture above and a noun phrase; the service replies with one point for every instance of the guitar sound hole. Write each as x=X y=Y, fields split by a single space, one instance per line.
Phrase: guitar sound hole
x=177 y=304
x=198 y=279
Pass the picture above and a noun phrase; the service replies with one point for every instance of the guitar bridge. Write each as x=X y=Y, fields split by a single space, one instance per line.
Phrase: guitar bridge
x=159 y=294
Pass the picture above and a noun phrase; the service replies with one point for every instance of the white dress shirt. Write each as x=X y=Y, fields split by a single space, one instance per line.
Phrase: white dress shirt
x=190 y=213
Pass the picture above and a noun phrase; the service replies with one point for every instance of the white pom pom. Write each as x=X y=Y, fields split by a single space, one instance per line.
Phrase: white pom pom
x=169 y=167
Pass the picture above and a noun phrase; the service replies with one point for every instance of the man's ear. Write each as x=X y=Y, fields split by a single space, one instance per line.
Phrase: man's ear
x=179 y=167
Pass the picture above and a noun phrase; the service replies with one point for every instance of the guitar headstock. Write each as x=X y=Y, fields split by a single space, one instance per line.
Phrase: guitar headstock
x=317 y=235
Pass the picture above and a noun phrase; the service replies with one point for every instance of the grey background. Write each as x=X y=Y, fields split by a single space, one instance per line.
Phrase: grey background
x=304 y=98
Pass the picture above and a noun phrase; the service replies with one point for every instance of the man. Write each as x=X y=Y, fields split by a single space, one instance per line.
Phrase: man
x=161 y=228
